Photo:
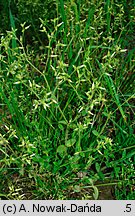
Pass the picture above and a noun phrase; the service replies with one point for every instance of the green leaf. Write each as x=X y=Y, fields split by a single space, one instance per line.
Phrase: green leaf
x=77 y=188
x=95 y=133
x=14 y=43
x=70 y=142
x=97 y=167
x=61 y=127
x=96 y=192
x=62 y=150
x=63 y=122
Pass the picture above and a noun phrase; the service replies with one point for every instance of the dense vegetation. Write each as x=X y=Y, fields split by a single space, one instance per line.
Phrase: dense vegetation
x=67 y=99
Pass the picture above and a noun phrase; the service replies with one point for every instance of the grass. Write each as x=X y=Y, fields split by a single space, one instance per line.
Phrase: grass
x=67 y=103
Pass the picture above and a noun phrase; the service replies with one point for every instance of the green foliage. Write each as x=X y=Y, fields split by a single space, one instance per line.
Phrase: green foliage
x=4 y=16
x=67 y=99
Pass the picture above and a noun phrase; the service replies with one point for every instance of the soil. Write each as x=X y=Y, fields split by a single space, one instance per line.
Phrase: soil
x=106 y=193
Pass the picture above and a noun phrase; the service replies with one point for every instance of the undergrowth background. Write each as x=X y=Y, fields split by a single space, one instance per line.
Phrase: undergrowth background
x=67 y=99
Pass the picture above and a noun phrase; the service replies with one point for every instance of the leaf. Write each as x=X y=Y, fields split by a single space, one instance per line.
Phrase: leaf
x=61 y=127
x=77 y=188
x=70 y=142
x=95 y=133
x=62 y=122
x=96 y=192
x=14 y=43
x=62 y=150
x=97 y=167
